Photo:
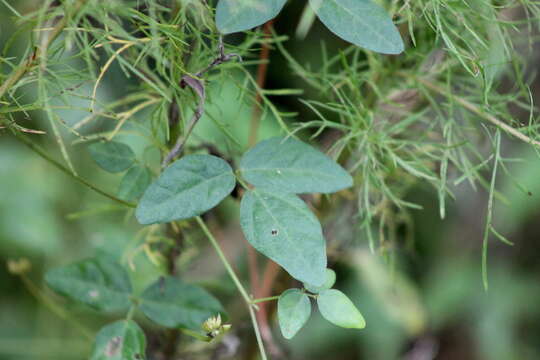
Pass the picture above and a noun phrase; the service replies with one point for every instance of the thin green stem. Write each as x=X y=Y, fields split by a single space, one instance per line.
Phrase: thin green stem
x=6 y=4
x=14 y=77
x=264 y=299
x=38 y=150
x=476 y=110
x=240 y=180
x=224 y=260
x=257 y=332
x=196 y=335
x=27 y=64
x=239 y=286
x=53 y=307
x=131 y=311
x=489 y=215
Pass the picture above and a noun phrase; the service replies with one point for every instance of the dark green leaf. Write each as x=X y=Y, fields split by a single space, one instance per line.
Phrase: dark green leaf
x=121 y=340
x=282 y=227
x=330 y=280
x=99 y=283
x=134 y=183
x=294 y=167
x=172 y=303
x=240 y=15
x=337 y=308
x=112 y=156
x=294 y=309
x=361 y=22
x=187 y=188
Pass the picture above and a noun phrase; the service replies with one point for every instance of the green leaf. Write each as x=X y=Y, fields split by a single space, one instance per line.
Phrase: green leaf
x=361 y=22
x=330 y=281
x=172 y=303
x=337 y=308
x=294 y=309
x=112 y=156
x=120 y=340
x=282 y=227
x=240 y=15
x=291 y=166
x=134 y=183
x=187 y=188
x=100 y=283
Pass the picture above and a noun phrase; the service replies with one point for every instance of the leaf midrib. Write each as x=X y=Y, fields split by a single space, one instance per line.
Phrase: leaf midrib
x=94 y=285
x=176 y=194
x=302 y=211
x=294 y=170
x=115 y=156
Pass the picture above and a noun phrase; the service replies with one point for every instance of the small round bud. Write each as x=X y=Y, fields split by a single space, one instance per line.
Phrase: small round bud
x=213 y=327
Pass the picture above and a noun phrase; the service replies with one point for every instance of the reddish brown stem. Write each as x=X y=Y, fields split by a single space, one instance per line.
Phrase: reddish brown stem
x=271 y=270
x=262 y=70
x=253 y=130
x=270 y=274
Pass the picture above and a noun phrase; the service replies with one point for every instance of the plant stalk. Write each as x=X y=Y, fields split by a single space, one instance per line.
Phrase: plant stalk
x=38 y=150
x=476 y=110
x=27 y=64
x=237 y=282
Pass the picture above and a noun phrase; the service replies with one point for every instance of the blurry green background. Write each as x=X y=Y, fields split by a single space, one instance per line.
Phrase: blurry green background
x=430 y=304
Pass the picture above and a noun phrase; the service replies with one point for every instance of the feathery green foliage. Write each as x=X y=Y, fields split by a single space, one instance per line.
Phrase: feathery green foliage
x=436 y=116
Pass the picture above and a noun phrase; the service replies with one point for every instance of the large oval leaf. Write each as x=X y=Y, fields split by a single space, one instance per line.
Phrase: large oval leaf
x=187 y=188
x=282 y=227
x=134 y=183
x=112 y=156
x=291 y=166
x=120 y=340
x=99 y=283
x=172 y=303
x=240 y=15
x=337 y=308
x=360 y=22
x=294 y=309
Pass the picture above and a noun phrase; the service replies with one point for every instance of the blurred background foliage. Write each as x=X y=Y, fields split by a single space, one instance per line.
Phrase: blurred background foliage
x=416 y=278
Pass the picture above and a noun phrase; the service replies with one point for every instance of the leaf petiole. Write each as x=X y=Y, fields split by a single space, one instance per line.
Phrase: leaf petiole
x=265 y=299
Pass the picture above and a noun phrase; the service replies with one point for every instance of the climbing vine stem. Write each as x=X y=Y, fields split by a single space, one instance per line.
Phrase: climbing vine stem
x=236 y=281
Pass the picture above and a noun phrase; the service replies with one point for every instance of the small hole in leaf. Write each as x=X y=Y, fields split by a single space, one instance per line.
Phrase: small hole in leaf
x=274 y=232
x=114 y=346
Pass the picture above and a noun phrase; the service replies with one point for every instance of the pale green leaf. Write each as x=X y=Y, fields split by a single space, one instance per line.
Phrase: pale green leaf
x=240 y=15
x=291 y=166
x=172 y=303
x=134 y=183
x=100 y=283
x=294 y=309
x=187 y=188
x=361 y=22
x=112 y=156
x=337 y=308
x=282 y=227
x=330 y=281
x=121 y=340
